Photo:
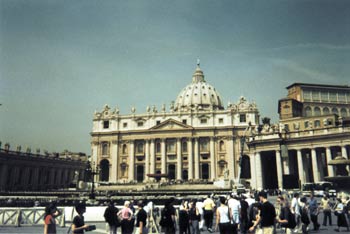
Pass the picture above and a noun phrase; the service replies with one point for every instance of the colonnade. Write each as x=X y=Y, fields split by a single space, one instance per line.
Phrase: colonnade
x=312 y=164
x=193 y=160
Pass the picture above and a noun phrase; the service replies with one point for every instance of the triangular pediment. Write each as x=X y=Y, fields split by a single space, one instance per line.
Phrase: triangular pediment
x=171 y=124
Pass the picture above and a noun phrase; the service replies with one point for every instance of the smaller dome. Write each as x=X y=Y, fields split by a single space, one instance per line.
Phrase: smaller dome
x=199 y=94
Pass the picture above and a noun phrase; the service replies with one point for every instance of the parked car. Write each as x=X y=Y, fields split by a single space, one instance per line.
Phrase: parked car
x=325 y=187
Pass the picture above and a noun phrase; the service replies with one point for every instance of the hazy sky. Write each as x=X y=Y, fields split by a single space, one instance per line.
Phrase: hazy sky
x=62 y=60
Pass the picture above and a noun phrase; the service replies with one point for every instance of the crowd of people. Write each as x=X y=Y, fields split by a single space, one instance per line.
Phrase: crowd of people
x=232 y=214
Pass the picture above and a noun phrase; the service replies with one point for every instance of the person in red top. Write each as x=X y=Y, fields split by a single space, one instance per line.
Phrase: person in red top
x=51 y=212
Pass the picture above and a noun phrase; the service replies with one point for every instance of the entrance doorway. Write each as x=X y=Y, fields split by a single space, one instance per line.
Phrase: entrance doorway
x=205 y=171
x=104 y=165
x=171 y=172
x=139 y=173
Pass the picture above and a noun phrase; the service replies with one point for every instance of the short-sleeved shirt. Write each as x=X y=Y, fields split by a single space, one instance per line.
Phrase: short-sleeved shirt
x=51 y=224
x=141 y=216
x=208 y=204
x=78 y=221
x=268 y=214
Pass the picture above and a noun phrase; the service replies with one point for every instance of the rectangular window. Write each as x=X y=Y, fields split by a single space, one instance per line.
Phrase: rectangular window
x=341 y=97
x=140 y=124
x=125 y=125
x=158 y=122
x=306 y=124
x=333 y=97
x=105 y=124
x=307 y=95
x=184 y=121
x=221 y=121
x=315 y=96
x=203 y=121
x=170 y=146
x=324 y=96
x=204 y=146
x=242 y=118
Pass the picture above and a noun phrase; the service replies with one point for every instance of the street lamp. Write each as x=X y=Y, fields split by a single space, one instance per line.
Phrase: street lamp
x=91 y=171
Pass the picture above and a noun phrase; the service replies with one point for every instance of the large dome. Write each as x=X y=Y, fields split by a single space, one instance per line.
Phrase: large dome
x=199 y=94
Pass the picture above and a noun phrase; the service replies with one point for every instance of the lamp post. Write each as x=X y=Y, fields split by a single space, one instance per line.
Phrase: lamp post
x=91 y=171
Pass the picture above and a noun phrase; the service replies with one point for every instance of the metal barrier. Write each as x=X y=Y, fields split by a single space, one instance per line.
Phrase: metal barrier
x=27 y=217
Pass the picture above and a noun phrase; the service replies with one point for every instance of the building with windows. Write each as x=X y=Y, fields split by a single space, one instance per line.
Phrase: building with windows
x=195 y=139
x=313 y=129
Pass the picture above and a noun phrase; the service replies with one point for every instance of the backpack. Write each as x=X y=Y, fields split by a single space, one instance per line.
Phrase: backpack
x=304 y=217
x=291 y=220
x=165 y=218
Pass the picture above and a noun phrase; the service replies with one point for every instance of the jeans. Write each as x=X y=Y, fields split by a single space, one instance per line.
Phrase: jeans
x=327 y=214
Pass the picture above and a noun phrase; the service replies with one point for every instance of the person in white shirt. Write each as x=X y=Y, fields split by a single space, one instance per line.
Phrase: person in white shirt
x=235 y=208
x=295 y=208
x=199 y=205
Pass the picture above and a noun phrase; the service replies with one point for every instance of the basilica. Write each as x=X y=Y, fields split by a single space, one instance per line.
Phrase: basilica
x=196 y=138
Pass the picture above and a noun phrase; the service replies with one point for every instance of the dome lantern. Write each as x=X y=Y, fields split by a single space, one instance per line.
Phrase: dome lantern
x=198 y=95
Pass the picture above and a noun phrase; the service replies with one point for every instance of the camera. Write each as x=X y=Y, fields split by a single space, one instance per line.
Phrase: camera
x=90 y=228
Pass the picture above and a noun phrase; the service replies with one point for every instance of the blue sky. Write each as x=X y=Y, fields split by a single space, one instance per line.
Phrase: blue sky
x=62 y=60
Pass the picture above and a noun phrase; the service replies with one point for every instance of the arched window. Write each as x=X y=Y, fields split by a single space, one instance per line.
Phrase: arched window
x=317 y=111
x=326 y=111
x=335 y=111
x=343 y=112
x=105 y=148
x=222 y=146
x=308 y=111
x=317 y=123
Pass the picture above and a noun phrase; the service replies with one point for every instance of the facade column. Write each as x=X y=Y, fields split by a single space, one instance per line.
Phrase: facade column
x=231 y=158
x=344 y=153
x=315 y=168
x=113 y=176
x=153 y=158
x=279 y=169
x=3 y=176
x=212 y=159
x=196 y=159
x=147 y=159
x=253 y=171
x=329 y=158
x=259 y=179
x=132 y=161
x=179 y=159
x=190 y=158
x=162 y=148
x=300 y=167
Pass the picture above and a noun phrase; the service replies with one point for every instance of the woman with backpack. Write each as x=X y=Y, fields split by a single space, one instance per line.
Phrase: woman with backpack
x=51 y=212
x=286 y=218
x=304 y=217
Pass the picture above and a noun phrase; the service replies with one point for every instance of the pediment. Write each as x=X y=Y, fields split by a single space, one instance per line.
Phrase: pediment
x=171 y=124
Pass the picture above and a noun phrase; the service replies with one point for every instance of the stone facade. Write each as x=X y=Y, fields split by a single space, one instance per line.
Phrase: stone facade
x=196 y=139
x=314 y=128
